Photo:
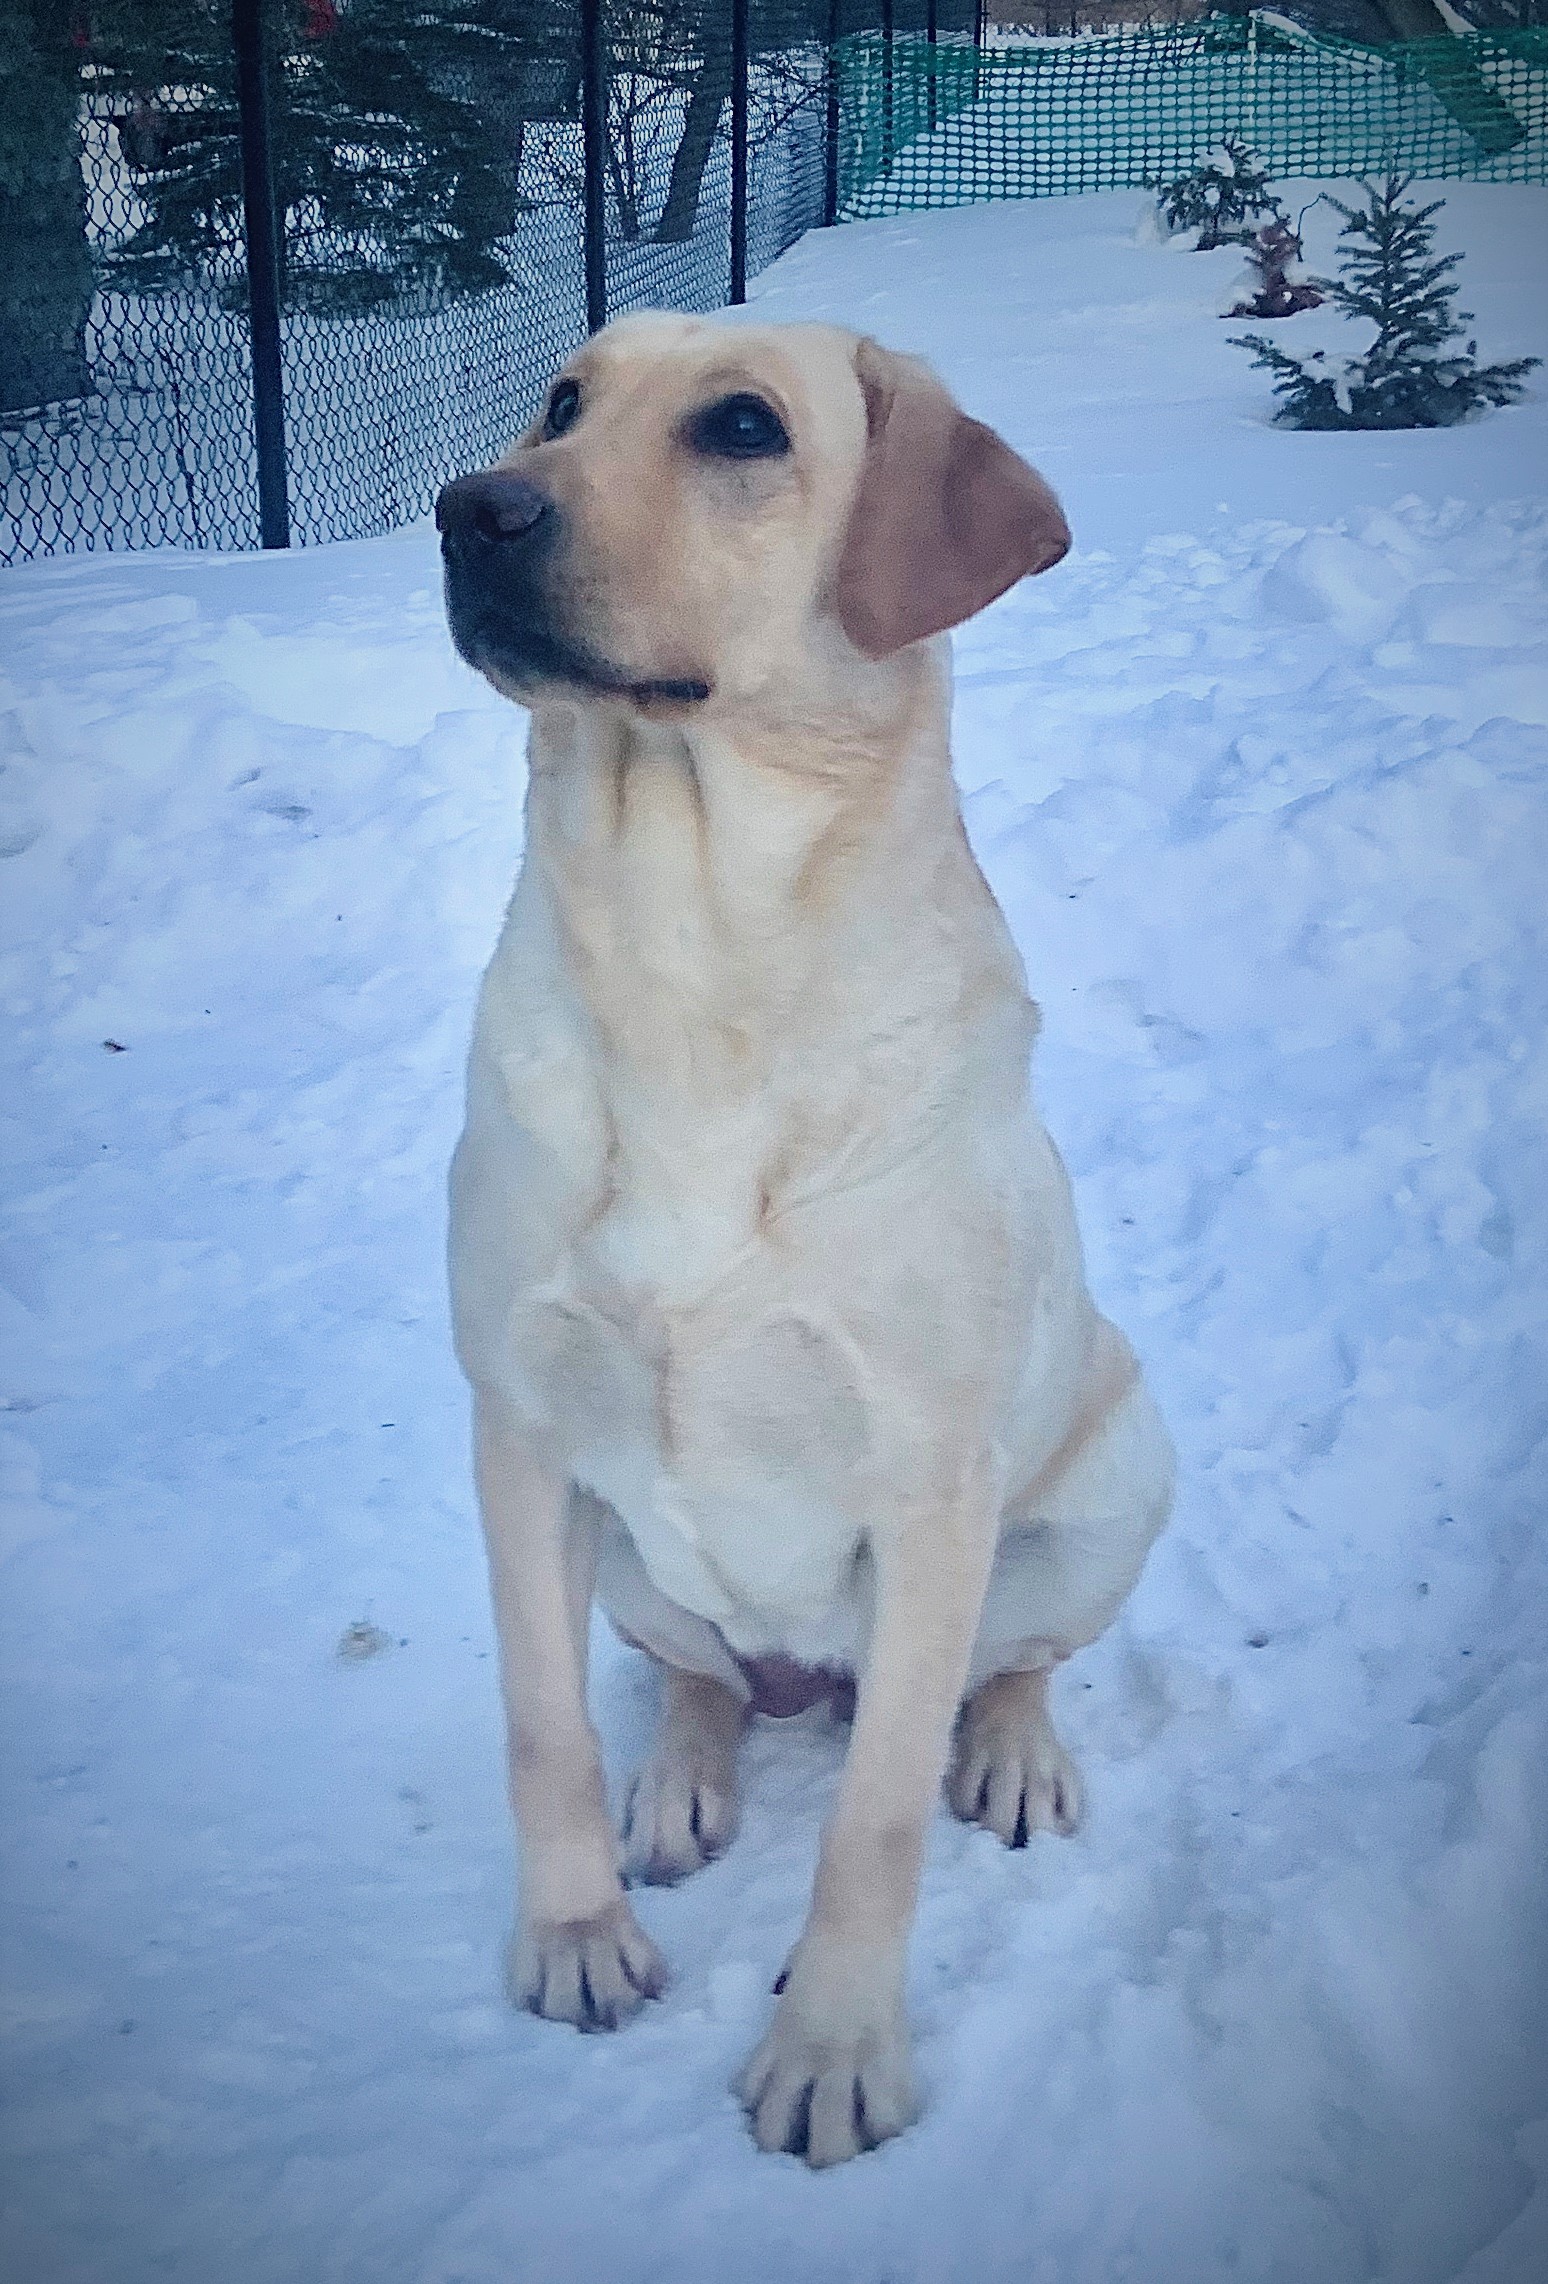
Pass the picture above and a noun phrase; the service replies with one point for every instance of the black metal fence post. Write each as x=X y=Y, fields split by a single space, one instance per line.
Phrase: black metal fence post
x=260 y=229
x=830 y=135
x=889 y=130
x=738 y=150
x=594 y=161
x=930 y=30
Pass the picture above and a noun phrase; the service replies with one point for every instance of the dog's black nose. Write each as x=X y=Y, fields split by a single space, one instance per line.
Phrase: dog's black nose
x=494 y=507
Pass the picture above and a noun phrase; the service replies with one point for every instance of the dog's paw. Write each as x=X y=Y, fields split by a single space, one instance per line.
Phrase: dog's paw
x=826 y=2099
x=833 y=2076
x=595 y=1973
x=680 y=1812
x=1009 y=1771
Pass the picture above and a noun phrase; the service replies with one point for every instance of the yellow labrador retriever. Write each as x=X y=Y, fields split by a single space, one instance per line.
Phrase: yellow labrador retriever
x=765 y=1272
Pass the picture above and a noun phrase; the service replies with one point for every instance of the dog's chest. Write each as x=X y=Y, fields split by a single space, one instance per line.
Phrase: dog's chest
x=727 y=1432
x=681 y=1065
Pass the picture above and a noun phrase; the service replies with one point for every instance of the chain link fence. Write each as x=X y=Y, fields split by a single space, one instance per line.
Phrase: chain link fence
x=445 y=228
x=456 y=189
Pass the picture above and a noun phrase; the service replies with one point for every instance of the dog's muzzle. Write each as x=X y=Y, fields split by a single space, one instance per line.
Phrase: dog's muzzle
x=498 y=538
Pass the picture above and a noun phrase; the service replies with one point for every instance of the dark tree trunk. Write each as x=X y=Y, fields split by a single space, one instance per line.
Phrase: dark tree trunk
x=711 y=91
x=46 y=279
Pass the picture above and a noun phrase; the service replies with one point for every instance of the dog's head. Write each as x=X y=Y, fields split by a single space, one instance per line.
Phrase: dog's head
x=701 y=508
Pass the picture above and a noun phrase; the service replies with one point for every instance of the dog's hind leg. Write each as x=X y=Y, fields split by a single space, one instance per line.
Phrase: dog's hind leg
x=1009 y=1771
x=681 y=1808
x=1063 y=1566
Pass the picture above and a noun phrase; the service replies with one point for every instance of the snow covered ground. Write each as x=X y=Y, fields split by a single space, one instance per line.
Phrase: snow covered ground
x=1259 y=775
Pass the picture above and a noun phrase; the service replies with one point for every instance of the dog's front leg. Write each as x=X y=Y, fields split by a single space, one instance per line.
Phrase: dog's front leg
x=833 y=2075
x=578 y=1953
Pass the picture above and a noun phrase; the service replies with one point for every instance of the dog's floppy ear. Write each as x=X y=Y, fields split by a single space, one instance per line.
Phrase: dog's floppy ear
x=946 y=517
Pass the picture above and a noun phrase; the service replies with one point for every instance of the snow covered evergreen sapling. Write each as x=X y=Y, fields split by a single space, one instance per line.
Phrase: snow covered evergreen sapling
x=1408 y=377
x=1227 y=202
x=1221 y=199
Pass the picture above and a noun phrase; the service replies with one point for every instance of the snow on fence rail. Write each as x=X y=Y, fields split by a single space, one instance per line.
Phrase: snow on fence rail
x=151 y=443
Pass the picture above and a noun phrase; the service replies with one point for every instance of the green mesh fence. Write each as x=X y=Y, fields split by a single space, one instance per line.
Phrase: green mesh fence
x=951 y=124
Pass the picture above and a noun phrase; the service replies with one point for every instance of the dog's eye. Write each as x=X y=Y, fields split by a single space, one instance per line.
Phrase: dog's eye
x=563 y=408
x=739 y=427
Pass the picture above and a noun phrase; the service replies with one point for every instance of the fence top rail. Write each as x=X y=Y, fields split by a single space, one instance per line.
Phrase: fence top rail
x=1260 y=30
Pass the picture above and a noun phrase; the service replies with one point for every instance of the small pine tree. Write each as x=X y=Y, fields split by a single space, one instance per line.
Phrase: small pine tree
x=1407 y=378
x=1221 y=199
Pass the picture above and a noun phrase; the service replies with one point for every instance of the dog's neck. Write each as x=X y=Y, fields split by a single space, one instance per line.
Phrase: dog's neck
x=773 y=940
x=742 y=874
x=715 y=892
x=740 y=821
